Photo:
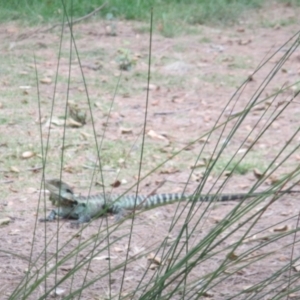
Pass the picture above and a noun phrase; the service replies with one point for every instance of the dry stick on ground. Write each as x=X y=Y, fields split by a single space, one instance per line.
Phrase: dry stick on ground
x=25 y=36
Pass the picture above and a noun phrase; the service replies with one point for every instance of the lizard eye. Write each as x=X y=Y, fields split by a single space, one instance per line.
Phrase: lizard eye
x=69 y=191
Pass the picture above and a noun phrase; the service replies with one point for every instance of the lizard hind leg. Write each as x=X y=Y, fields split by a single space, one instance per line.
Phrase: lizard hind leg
x=122 y=214
x=81 y=219
x=84 y=219
x=51 y=217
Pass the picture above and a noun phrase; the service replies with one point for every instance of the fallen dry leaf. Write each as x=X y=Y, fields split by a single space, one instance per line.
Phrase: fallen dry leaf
x=67 y=268
x=207 y=294
x=200 y=164
x=273 y=179
x=257 y=174
x=281 y=228
x=69 y=169
x=118 y=249
x=72 y=123
x=155 y=135
x=14 y=169
x=76 y=113
x=153 y=266
x=203 y=140
x=232 y=256
x=249 y=289
x=284 y=213
x=103 y=257
x=244 y=42
x=31 y=190
x=27 y=154
x=4 y=221
x=296 y=267
x=125 y=130
x=152 y=87
x=171 y=170
x=116 y=184
x=84 y=135
x=14 y=232
x=259 y=108
x=46 y=80
x=154 y=259
x=57 y=292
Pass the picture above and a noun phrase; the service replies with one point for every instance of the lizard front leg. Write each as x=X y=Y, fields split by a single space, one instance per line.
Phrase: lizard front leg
x=51 y=216
x=63 y=212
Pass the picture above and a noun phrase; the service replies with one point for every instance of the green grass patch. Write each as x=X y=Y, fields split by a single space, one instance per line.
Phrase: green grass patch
x=240 y=168
x=170 y=14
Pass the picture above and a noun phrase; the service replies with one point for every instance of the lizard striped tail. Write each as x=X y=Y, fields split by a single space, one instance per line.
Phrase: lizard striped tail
x=129 y=202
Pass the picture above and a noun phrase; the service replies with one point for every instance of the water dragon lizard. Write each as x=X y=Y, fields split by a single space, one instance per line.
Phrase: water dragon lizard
x=84 y=208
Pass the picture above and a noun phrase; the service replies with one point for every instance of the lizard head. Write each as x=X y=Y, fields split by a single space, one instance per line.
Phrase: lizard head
x=60 y=192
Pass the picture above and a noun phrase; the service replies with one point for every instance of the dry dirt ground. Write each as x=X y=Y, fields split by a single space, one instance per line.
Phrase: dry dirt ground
x=193 y=76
